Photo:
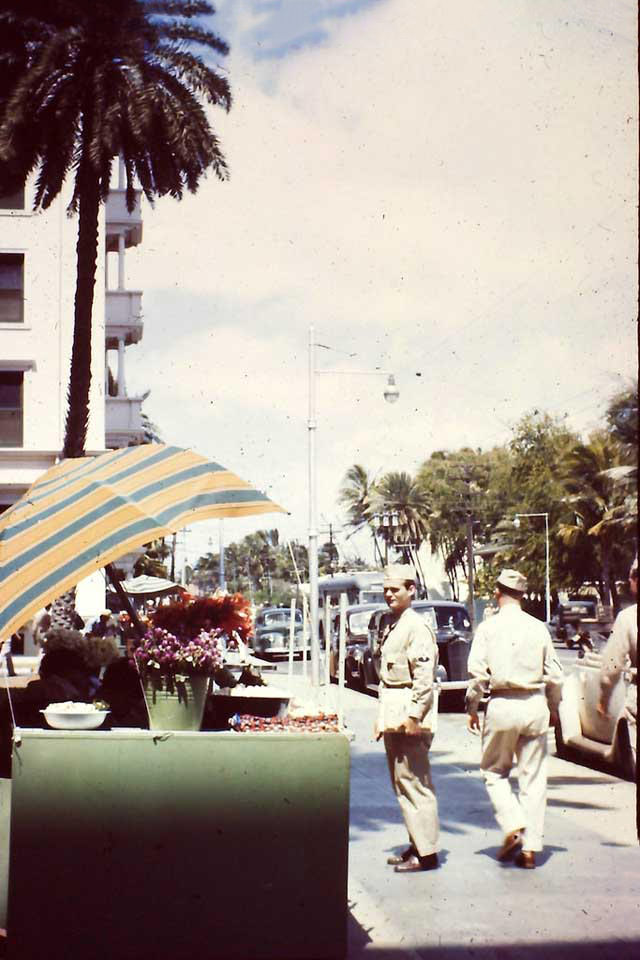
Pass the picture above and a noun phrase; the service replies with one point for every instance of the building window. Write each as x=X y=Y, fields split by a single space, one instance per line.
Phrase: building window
x=11 y=408
x=13 y=201
x=11 y=287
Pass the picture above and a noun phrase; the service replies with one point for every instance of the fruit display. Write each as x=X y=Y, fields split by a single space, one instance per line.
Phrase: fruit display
x=320 y=723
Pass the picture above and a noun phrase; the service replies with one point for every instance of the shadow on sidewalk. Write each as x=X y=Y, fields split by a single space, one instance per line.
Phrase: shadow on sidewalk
x=590 y=950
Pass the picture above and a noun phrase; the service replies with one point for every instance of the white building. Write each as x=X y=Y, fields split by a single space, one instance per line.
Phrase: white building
x=37 y=290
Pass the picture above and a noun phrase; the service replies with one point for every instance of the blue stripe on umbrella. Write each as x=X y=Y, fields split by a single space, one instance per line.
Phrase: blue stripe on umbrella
x=140 y=528
x=47 y=489
x=79 y=560
x=99 y=513
x=136 y=496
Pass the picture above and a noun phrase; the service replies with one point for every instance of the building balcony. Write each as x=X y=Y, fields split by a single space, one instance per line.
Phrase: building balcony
x=123 y=422
x=118 y=220
x=123 y=317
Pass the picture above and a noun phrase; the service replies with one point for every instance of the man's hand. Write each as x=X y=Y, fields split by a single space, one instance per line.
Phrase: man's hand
x=602 y=709
x=554 y=718
x=412 y=727
x=473 y=723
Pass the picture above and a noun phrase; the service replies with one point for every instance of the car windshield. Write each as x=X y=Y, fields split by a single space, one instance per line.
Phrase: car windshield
x=358 y=623
x=373 y=594
x=280 y=616
x=429 y=617
x=454 y=617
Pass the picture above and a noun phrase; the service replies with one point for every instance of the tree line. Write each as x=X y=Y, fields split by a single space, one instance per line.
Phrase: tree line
x=588 y=489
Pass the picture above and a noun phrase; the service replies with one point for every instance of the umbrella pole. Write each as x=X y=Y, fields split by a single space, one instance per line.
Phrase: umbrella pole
x=124 y=599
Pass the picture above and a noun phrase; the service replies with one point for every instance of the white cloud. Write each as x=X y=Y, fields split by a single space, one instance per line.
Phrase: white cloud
x=443 y=189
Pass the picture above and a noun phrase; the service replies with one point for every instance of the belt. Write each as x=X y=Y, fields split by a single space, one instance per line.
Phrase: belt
x=514 y=692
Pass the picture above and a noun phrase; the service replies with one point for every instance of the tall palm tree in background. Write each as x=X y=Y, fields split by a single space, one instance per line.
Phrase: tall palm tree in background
x=399 y=495
x=601 y=513
x=356 y=495
x=86 y=83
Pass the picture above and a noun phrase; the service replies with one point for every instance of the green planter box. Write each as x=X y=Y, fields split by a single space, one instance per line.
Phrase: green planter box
x=127 y=846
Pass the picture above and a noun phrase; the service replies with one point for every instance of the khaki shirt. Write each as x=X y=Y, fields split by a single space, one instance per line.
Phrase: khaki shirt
x=513 y=651
x=408 y=662
x=621 y=651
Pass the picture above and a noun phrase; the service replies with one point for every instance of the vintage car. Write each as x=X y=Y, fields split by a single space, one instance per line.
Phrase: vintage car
x=272 y=627
x=356 y=639
x=575 y=614
x=582 y=734
x=452 y=627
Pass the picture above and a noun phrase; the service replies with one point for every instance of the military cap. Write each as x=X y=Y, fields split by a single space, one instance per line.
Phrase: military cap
x=513 y=580
x=399 y=573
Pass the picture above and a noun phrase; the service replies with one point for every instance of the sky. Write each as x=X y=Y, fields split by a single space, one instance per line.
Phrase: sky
x=445 y=191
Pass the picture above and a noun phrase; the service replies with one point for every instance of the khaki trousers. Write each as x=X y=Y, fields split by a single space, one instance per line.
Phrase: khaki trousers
x=408 y=759
x=515 y=726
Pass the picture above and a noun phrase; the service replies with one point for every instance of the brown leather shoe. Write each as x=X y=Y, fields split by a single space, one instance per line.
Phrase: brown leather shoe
x=415 y=864
x=510 y=846
x=526 y=859
x=401 y=857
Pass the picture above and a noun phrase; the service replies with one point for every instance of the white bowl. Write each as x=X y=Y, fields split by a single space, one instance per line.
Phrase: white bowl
x=90 y=720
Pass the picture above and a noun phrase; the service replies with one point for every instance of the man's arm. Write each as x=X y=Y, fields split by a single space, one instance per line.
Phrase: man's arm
x=478 y=670
x=422 y=655
x=614 y=659
x=553 y=676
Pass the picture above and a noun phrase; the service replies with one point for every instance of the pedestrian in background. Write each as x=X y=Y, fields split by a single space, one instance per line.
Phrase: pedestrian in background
x=406 y=717
x=621 y=653
x=512 y=661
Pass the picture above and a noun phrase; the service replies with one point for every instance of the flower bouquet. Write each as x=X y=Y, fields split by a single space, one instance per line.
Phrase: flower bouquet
x=184 y=648
x=176 y=657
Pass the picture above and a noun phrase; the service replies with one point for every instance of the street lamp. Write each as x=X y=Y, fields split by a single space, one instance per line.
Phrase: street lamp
x=391 y=394
x=516 y=523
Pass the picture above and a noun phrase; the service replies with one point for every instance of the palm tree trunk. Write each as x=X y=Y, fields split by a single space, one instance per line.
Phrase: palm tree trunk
x=80 y=377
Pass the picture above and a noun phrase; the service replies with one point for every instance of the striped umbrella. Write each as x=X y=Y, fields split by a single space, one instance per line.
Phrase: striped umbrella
x=86 y=512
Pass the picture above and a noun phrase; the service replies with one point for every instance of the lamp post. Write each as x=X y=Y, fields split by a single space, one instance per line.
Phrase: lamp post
x=391 y=394
x=516 y=523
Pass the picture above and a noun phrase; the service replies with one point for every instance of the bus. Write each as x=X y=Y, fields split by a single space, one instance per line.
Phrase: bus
x=365 y=586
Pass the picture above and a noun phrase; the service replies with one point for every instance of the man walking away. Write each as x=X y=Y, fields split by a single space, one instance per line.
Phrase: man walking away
x=512 y=661
x=406 y=717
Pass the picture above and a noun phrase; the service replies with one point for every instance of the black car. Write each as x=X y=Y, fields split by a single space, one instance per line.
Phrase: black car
x=575 y=614
x=451 y=624
x=272 y=628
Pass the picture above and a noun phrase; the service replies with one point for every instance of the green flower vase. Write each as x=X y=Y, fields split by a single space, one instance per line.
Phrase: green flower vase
x=175 y=704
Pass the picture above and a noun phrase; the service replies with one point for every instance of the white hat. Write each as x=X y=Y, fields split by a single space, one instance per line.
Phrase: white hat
x=513 y=580
x=399 y=573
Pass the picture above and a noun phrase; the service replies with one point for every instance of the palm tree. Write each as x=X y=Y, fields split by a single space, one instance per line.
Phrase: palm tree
x=356 y=494
x=90 y=82
x=601 y=515
x=402 y=497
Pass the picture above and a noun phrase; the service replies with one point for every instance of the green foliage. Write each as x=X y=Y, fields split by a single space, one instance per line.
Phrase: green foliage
x=258 y=566
x=82 y=83
x=622 y=422
x=153 y=561
x=587 y=490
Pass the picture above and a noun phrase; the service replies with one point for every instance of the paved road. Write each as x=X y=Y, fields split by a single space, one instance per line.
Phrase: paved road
x=583 y=899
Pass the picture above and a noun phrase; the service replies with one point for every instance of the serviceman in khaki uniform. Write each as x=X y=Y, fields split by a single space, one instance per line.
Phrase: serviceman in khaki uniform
x=621 y=653
x=406 y=717
x=513 y=661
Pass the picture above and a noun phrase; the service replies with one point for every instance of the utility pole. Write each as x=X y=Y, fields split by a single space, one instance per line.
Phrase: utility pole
x=472 y=615
x=173 y=556
x=467 y=479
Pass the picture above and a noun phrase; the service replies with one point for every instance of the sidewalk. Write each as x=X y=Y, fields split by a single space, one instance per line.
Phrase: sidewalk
x=582 y=900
